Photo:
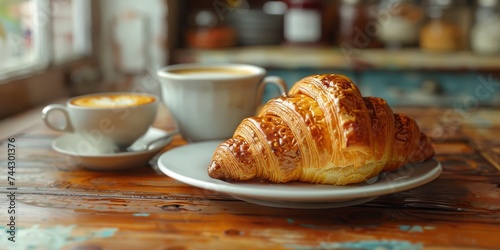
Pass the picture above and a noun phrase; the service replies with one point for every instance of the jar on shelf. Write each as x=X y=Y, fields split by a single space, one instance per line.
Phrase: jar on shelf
x=260 y=25
x=399 y=22
x=357 y=24
x=446 y=26
x=485 y=33
x=206 y=32
x=302 y=22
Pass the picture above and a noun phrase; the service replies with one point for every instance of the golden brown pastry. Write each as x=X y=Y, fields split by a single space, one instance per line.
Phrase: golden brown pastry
x=323 y=131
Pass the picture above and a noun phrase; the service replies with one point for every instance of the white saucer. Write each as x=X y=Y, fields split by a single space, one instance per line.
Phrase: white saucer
x=79 y=153
x=189 y=164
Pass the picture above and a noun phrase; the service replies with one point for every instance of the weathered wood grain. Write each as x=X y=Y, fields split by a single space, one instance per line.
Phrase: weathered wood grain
x=60 y=206
x=232 y=222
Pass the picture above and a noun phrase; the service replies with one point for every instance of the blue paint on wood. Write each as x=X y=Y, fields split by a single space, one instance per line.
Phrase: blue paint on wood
x=364 y=245
x=141 y=214
x=54 y=237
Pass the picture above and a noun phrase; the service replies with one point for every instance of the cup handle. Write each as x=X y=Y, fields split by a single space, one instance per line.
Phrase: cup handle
x=57 y=107
x=276 y=81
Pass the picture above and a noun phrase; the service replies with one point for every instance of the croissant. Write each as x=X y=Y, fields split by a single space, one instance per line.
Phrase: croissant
x=322 y=131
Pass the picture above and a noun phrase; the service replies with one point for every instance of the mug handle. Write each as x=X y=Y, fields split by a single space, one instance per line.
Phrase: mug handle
x=57 y=107
x=276 y=81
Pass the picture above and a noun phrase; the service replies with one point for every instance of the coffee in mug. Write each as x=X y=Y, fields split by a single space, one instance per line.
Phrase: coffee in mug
x=208 y=102
x=106 y=118
x=211 y=72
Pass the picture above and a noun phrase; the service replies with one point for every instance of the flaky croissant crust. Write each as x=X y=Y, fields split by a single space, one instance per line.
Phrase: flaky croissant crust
x=323 y=131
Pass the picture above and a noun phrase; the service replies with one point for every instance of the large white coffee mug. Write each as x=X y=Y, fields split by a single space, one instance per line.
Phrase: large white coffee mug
x=208 y=102
x=118 y=118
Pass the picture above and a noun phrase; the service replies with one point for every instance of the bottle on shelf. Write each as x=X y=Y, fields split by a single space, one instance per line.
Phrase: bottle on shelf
x=357 y=26
x=303 y=22
x=485 y=33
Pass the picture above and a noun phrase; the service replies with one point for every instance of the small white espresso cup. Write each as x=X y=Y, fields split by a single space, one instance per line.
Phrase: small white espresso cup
x=208 y=102
x=106 y=118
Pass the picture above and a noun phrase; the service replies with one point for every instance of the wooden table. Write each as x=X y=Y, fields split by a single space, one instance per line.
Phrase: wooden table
x=59 y=206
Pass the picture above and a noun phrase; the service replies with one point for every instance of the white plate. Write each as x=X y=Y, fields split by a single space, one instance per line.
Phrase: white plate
x=79 y=153
x=189 y=164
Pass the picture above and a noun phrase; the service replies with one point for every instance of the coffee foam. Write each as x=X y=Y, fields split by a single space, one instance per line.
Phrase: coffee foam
x=113 y=101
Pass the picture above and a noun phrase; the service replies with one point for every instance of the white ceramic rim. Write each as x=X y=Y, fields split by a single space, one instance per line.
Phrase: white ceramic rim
x=69 y=104
x=164 y=72
x=391 y=182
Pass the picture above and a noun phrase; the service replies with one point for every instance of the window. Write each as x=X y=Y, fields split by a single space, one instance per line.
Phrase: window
x=37 y=33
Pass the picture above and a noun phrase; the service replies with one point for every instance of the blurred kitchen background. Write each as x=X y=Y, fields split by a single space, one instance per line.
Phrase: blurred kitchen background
x=410 y=52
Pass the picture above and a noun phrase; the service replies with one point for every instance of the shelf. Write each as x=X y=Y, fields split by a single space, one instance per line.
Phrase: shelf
x=329 y=57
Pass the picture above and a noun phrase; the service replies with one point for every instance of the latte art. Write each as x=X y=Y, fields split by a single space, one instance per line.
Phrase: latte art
x=113 y=101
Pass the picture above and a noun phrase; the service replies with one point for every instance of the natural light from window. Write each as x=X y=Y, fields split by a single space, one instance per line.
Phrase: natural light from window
x=37 y=33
